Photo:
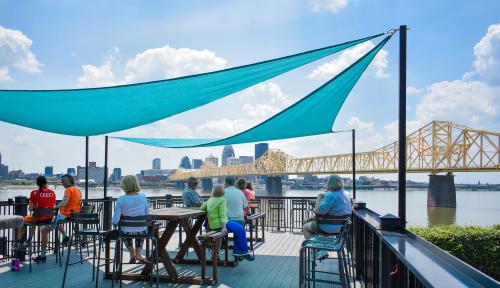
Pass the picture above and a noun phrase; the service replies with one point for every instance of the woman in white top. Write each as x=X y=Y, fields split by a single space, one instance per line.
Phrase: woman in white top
x=132 y=203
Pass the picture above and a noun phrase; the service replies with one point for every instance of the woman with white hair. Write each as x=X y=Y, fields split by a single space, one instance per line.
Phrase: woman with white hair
x=335 y=201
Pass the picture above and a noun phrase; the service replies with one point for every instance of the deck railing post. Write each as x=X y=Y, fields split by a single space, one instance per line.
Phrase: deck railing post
x=105 y=166
x=354 y=163
x=86 y=167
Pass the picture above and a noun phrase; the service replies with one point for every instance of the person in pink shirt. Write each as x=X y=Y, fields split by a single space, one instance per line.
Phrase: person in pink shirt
x=246 y=188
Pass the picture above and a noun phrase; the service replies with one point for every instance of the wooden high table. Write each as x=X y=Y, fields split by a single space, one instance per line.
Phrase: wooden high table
x=174 y=216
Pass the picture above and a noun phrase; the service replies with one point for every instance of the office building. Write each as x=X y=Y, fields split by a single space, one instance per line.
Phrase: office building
x=260 y=149
x=157 y=163
x=185 y=163
x=71 y=171
x=227 y=152
x=155 y=172
x=246 y=159
x=117 y=174
x=197 y=163
x=232 y=161
x=92 y=164
x=4 y=171
x=49 y=171
x=95 y=173
x=212 y=159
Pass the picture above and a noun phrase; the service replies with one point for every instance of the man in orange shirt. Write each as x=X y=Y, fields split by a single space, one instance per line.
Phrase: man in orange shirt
x=72 y=202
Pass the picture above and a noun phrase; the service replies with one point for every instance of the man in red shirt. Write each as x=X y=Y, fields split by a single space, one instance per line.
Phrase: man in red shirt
x=43 y=197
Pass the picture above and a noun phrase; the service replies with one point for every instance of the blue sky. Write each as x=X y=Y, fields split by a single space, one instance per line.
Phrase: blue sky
x=91 y=43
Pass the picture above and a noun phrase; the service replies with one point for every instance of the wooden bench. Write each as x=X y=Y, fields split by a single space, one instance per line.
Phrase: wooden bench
x=212 y=239
x=253 y=224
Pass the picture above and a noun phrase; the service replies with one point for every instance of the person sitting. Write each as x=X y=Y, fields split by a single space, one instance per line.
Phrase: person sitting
x=132 y=203
x=215 y=207
x=335 y=201
x=71 y=203
x=189 y=197
x=250 y=195
x=236 y=203
x=43 y=197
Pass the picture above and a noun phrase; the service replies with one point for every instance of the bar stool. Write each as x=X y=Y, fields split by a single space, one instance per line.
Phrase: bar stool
x=134 y=222
x=84 y=225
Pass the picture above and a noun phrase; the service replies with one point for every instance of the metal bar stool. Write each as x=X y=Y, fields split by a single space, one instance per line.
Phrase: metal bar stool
x=145 y=221
x=84 y=225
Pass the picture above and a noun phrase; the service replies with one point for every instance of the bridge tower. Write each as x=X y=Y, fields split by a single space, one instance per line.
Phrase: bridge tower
x=273 y=185
x=441 y=191
x=207 y=185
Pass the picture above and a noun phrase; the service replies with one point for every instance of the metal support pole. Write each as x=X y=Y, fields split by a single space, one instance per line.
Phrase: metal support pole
x=105 y=166
x=86 y=167
x=402 y=126
x=354 y=163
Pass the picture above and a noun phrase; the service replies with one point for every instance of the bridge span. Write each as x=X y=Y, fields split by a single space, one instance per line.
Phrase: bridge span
x=438 y=147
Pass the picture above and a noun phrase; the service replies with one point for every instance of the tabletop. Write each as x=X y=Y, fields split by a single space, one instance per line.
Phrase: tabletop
x=10 y=221
x=175 y=213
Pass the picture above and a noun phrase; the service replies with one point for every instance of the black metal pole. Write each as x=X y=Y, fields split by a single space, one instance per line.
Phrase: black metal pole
x=354 y=163
x=402 y=126
x=105 y=166
x=86 y=167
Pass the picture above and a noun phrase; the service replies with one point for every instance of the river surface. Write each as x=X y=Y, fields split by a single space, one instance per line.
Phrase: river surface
x=473 y=207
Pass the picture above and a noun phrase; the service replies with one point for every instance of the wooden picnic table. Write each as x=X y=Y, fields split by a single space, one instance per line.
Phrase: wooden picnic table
x=175 y=216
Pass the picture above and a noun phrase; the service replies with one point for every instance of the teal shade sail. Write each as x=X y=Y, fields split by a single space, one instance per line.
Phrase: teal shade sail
x=94 y=111
x=312 y=115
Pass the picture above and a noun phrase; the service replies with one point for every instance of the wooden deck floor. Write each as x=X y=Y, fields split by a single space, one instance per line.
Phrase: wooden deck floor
x=276 y=265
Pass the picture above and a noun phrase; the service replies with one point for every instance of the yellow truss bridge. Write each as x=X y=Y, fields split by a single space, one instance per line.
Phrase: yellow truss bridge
x=439 y=146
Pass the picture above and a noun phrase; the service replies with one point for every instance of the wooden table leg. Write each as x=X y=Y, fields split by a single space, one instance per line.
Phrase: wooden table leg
x=162 y=253
x=191 y=240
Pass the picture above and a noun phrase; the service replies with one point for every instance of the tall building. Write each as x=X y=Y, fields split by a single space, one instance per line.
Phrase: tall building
x=214 y=160
x=232 y=161
x=197 y=163
x=0 y=158
x=260 y=149
x=49 y=171
x=95 y=173
x=157 y=163
x=117 y=174
x=185 y=163
x=227 y=152
x=4 y=171
x=71 y=171
x=246 y=159
x=92 y=164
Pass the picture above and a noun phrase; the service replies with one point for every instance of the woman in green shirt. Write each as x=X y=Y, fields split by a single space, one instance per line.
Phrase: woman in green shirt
x=216 y=209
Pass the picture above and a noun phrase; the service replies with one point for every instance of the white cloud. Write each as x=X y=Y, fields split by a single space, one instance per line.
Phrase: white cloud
x=461 y=101
x=100 y=76
x=223 y=127
x=168 y=62
x=4 y=75
x=328 y=5
x=391 y=129
x=15 y=52
x=357 y=124
x=411 y=90
x=260 y=110
x=487 y=55
x=349 y=56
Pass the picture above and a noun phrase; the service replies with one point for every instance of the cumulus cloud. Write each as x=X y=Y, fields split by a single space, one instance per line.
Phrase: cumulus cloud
x=223 y=127
x=260 y=110
x=328 y=5
x=458 y=100
x=100 y=76
x=169 y=62
x=391 y=129
x=357 y=124
x=349 y=56
x=487 y=55
x=410 y=90
x=15 y=52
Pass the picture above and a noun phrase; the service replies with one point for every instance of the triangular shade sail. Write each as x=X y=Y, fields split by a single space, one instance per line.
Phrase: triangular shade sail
x=312 y=115
x=86 y=112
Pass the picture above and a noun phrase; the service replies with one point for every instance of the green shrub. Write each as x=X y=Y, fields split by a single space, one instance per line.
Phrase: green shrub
x=478 y=246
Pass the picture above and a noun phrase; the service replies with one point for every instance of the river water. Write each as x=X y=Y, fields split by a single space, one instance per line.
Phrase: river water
x=473 y=207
